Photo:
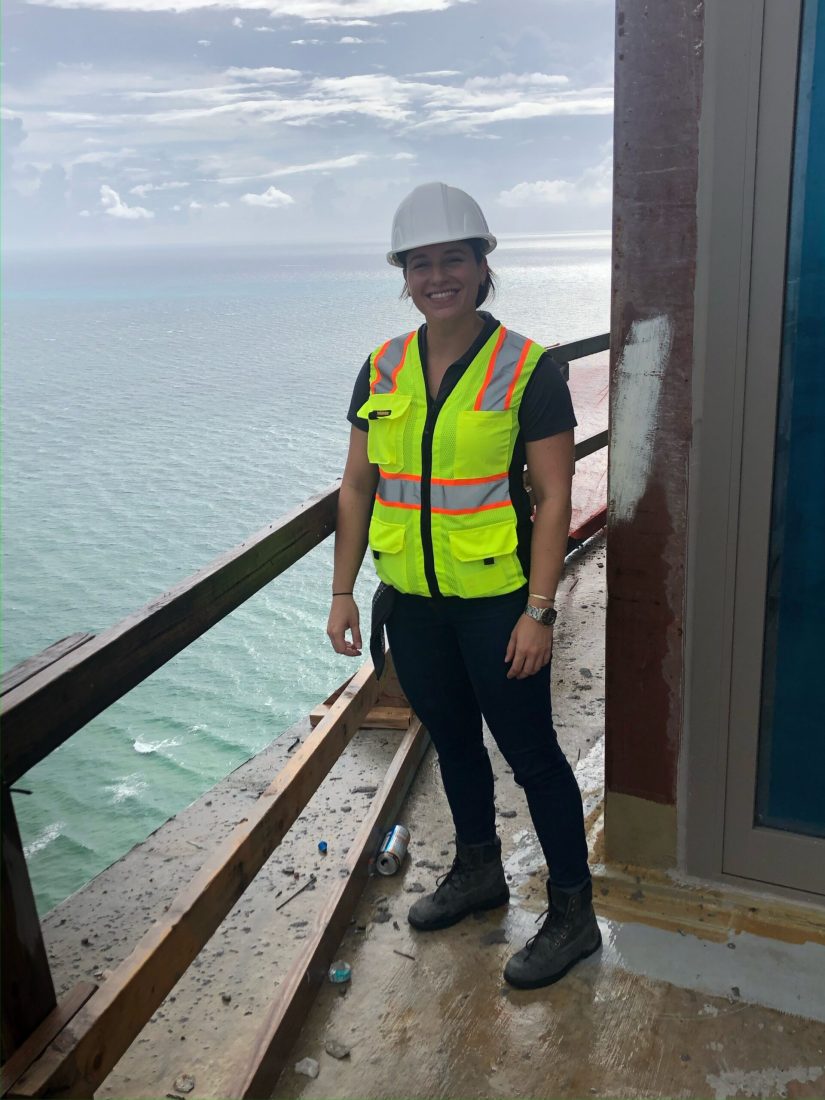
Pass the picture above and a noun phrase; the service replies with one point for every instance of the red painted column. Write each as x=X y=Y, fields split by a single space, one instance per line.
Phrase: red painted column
x=658 y=83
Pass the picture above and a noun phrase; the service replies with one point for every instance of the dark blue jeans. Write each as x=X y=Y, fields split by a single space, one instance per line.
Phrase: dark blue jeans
x=449 y=655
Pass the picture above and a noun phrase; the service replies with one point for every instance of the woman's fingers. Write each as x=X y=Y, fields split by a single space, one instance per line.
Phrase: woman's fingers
x=528 y=650
x=341 y=620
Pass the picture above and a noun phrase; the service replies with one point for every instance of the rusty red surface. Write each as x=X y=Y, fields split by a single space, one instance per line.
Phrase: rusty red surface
x=658 y=86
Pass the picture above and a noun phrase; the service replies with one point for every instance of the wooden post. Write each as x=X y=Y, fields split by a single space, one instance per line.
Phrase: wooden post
x=26 y=986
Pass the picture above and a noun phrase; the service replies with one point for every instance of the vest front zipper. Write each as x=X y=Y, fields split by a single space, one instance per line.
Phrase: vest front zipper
x=433 y=408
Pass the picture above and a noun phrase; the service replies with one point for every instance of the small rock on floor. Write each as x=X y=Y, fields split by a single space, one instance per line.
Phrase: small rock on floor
x=308 y=1067
x=381 y=917
x=336 y=1049
x=414 y=888
x=184 y=1083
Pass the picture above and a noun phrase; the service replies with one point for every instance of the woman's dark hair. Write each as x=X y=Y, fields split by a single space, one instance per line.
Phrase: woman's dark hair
x=487 y=288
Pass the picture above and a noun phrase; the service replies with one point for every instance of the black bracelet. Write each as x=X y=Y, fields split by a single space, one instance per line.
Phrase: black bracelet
x=342 y=594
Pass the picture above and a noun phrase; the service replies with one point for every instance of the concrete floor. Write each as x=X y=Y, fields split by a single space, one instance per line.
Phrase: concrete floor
x=674 y=1005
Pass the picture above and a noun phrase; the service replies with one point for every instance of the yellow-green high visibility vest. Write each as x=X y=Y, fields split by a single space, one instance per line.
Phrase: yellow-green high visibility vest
x=443 y=521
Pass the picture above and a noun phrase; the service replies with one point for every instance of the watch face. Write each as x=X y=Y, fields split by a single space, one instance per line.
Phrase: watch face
x=544 y=615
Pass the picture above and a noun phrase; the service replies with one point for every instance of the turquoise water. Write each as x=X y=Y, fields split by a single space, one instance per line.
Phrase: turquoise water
x=158 y=408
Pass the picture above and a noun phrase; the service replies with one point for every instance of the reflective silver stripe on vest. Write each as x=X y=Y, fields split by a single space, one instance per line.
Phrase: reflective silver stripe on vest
x=508 y=356
x=452 y=497
x=387 y=363
x=400 y=491
x=469 y=498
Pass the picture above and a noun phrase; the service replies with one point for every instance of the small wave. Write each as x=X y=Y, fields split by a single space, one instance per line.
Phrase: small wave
x=153 y=746
x=49 y=834
x=129 y=787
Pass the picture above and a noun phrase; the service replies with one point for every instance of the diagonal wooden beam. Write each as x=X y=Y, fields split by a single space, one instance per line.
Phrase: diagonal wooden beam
x=40 y=1038
x=298 y=989
x=56 y=700
x=27 y=987
x=99 y=1035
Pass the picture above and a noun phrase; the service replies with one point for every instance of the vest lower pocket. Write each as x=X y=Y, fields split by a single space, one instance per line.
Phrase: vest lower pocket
x=387 y=545
x=483 y=442
x=387 y=414
x=485 y=562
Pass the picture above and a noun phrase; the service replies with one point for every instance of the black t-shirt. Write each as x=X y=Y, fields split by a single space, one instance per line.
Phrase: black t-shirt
x=545 y=410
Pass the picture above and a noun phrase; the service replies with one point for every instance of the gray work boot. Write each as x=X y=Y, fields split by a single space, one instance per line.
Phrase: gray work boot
x=474 y=882
x=569 y=933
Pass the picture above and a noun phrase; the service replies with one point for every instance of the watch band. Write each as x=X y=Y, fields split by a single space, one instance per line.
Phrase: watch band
x=544 y=615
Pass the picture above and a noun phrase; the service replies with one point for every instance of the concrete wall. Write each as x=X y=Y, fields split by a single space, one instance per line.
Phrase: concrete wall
x=658 y=92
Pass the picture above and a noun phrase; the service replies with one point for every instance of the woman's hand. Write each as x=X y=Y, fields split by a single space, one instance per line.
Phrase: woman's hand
x=529 y=648
x=343 y=616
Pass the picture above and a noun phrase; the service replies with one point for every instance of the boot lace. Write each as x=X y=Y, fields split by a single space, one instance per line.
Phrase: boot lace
x=553 y=929
x=452 y=877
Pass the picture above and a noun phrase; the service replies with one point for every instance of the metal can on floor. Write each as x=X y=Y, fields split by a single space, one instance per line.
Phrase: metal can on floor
x=392 y=851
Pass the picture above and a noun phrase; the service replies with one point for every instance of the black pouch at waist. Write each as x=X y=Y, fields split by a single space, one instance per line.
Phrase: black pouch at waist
x=382 y=604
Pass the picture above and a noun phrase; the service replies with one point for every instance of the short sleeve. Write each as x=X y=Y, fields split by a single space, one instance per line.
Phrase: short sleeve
x=360 y=393
x=546 y=407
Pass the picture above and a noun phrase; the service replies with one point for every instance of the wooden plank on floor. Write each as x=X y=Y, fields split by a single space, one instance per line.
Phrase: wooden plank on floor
x=33 y=1047
x=92 y=1044
x=297 y=991
x=379 y=718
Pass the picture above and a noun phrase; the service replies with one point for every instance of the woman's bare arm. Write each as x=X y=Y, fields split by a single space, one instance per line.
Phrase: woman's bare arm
x=352 y=526
x=550 y=465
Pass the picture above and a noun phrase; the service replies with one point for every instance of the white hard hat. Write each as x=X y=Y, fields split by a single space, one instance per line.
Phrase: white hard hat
x=435 y=213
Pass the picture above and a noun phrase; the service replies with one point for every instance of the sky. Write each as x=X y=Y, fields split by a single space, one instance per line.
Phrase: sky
x=155 y=122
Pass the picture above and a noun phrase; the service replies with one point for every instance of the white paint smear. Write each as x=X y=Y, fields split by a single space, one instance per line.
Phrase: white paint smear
x=760 y=1082
x=635 y=413
x=789 y=977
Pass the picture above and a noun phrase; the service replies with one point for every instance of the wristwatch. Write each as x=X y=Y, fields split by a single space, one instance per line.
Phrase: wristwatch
x=544 y=615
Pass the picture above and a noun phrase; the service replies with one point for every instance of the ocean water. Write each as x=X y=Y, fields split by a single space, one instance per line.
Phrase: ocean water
x=158 y=407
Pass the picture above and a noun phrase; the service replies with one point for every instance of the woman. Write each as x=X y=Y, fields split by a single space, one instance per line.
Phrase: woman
x=443 y=420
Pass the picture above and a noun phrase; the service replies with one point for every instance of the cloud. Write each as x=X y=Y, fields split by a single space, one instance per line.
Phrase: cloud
x=143 y=189
x=306 y=42
x=204 y=42
x=264 y=75
x=348 y=40
x=210 y=106
x=308 y=10
x=350 y=161
x=271 y=198
x=540 y=193
x=341 y=23
x=103 y=156
x=264 y=30
x=114 y=205
x=594 y=187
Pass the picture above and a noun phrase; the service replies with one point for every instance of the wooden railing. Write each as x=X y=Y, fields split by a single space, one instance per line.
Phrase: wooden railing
x=69 y=1048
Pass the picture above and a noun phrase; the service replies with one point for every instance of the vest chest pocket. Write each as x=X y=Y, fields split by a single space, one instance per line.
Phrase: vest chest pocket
x=387 y=414
x=483 y=442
